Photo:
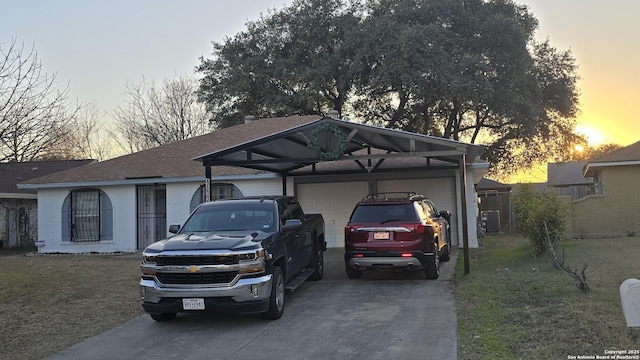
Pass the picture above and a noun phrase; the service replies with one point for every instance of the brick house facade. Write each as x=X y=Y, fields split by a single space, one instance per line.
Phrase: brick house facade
x=614 y=209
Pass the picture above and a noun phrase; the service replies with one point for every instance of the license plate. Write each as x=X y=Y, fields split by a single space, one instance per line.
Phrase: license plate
x=381 y=236
x=193 y=304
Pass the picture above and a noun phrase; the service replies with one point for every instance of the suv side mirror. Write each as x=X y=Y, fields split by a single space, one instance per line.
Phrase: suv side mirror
x=446 y=215
x=291 y=224
x=174 y=229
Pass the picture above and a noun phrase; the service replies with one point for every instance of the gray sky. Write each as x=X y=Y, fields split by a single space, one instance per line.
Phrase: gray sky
x=100 y=45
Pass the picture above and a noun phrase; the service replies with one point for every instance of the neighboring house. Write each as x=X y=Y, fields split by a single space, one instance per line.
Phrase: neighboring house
x=613 y=207
x=567 y=179
x=126 y=203
x=19 y=207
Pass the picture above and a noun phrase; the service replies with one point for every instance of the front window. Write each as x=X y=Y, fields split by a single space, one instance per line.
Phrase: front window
x=218 y=191
x=87 y=216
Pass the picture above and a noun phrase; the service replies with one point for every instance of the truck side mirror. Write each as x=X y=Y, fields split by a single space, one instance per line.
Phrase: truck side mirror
x=174 y=229
x=291 y=224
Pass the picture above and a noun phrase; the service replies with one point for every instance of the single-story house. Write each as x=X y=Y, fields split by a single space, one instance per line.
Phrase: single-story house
x=567 y=179
x=612 y=207
x=126 y=203
x=19 y=207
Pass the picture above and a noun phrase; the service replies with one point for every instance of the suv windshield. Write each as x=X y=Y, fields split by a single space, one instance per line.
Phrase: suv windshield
x=232 y=217
x=381 y=213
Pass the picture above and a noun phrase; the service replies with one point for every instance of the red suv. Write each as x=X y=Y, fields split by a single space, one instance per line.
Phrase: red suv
x=396 y=231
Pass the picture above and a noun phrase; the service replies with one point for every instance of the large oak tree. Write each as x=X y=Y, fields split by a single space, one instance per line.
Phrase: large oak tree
x=467 y=70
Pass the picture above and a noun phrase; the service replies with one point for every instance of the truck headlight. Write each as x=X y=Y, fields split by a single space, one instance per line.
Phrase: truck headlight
x=149 y=259
x=252 y=262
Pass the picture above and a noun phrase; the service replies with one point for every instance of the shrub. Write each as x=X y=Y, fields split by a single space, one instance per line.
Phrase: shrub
x=532 y=209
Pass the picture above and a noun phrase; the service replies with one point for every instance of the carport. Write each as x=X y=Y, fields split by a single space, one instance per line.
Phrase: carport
x=331 y=150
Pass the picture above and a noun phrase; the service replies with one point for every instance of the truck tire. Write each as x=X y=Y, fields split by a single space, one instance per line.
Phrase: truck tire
x=318 y=264
x=163 y=317
x=276 y=301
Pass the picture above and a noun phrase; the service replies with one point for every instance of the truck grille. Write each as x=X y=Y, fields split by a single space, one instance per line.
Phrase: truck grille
x=199 y=278
x=198 y=260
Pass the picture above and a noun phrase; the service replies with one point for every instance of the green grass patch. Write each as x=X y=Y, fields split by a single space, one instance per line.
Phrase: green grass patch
x=516 y=305
x=50 y=302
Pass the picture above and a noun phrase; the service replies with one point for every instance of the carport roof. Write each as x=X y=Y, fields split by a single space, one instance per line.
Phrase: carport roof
x=366 y=148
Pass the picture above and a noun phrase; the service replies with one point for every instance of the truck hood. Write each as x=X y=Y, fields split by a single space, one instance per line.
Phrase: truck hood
x=235 y=240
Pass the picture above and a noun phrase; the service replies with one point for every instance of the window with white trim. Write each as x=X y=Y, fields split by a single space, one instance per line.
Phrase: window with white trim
x=218 y=191
x=87 y=216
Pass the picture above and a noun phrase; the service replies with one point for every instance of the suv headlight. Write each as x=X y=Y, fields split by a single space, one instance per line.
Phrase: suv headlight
x=252 y=262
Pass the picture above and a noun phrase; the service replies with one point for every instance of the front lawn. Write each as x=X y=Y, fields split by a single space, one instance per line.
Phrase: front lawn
x=514 y=305
x=48 y=303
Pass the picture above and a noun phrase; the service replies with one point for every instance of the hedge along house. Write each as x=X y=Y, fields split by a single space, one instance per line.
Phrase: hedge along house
x=124 y=204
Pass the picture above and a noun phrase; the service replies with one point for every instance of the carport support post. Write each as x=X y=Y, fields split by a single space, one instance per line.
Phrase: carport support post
x=207 y=183
x=284 y=184
x=465 y=226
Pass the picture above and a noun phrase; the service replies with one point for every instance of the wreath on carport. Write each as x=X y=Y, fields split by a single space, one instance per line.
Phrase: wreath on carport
x=328 y=128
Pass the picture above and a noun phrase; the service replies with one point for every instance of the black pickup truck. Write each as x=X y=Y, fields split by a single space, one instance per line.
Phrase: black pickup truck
x=233 y=255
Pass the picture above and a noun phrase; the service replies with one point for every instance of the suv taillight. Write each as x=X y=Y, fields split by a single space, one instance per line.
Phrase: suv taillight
x=418 y=228
x=349 y=229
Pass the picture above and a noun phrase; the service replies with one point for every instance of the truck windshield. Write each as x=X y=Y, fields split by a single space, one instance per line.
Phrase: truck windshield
x=232 y=217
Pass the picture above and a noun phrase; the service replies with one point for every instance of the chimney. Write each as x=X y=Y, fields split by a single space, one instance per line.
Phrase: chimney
x=249 y=119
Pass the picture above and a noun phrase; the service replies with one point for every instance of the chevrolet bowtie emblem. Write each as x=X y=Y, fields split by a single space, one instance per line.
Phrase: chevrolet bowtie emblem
x=193 y=269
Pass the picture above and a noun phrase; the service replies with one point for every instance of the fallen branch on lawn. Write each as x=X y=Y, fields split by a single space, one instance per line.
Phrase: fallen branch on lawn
x=579 y=275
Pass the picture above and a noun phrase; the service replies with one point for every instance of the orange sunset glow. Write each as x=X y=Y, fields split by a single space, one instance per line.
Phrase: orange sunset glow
x=602 y=37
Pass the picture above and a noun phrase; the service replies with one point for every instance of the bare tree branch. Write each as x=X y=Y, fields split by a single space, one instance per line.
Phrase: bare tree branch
x=34 y=116
x=156 y=115
x=578 y=275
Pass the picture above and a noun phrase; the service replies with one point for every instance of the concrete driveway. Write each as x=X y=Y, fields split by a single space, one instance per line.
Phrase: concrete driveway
x=380 y=316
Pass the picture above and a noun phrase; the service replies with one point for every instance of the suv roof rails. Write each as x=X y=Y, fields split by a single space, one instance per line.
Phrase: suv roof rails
x=408 y=195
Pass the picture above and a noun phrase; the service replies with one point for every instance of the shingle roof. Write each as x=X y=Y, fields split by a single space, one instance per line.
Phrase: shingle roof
x=567 y=173
x=175 y=160
x=15 y=172
x=488 y=184
x=627 y=153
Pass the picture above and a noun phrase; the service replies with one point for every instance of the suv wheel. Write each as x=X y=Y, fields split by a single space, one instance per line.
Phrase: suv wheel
x=353 y=273
x=447 y=255
x=432 y=271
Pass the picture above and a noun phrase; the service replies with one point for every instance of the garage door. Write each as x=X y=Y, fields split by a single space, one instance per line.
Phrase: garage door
x=334 y=201
x=440 y=190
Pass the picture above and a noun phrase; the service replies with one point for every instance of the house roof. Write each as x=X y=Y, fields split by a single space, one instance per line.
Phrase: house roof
x=628 y=155
x=362 y=148
x=14 y=172
x=267 y=146
x=566 y=174
x=488 y=184
x=174 y=160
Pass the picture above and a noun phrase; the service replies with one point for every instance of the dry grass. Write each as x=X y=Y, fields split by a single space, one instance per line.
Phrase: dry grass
x=514 y=305
x=50 y=302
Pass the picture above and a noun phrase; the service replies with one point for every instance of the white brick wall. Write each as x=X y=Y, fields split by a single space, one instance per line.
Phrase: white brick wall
x=123 y=199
